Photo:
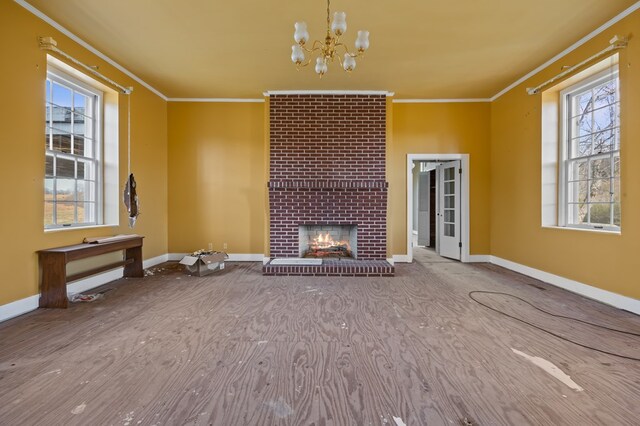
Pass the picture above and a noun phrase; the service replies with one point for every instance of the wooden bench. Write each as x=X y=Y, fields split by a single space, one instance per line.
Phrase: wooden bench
x=53 y=266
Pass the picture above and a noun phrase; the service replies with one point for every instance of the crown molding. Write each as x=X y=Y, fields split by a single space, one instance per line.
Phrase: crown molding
x=439 y=101
x=86 y=45
x=628 y=11
x=328 y=92
x=219 y=100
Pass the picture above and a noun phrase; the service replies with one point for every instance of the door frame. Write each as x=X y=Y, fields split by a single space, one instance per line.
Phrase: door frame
x=464 y=199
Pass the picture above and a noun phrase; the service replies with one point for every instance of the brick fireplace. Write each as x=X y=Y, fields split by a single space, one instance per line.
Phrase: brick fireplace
x=327 y=169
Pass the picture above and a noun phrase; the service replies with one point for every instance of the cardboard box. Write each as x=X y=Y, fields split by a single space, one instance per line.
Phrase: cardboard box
x=204 y=263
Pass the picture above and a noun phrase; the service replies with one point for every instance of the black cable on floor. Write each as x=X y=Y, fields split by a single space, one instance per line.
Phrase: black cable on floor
x=471 y=293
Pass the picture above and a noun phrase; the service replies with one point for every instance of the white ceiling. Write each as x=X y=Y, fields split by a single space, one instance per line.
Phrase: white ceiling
x=419 y=49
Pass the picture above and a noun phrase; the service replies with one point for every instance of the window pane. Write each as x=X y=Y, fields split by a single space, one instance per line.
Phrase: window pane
x=601 y=168
x=79 y=124
x=578 y=170
x=48 y=213
x=580 y=147
x=61 y=143
x=604 y=118
x=449 y=201
x=79 y=145
x=582 y=103
x=86 y=170
x=449 y=230
x=600 y=190
x=616 y=166
x=86 y=191
x=65 y=213
x=48 y=189
x=605 y=141
x=605 y=94
x=581 y=126
x=601 y=214
x=48 y=91
x=577 y=213
x=81 y=103
x=61 y=118
x=449 y=216
x=449 y=173
x=65 y=189
x=48 y=165
x=65 y=168
x=616 y=213
x=86 y=212
x=449 y=188
x=61 y=95
x=578 y=191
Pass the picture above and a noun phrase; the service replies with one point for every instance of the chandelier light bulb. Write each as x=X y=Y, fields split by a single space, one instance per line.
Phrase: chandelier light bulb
x=339 y=25
x=301 y=35
x=349 y=63
x=362 y=41
x=321 y=66
x=297 y=54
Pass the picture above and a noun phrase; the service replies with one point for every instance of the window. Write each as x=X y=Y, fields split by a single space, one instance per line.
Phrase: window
x=73 y=151
x=590 y=153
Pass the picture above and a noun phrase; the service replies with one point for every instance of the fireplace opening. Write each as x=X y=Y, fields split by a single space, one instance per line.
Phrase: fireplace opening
x=328 y=241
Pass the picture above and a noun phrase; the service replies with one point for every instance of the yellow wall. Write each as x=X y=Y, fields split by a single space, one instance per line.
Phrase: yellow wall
x=22 y=119
x=217 y=178
x=435 y=128
x=607 y=261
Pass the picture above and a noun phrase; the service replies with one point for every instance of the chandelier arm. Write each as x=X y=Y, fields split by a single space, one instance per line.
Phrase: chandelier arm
x=298 y=66
x=346 y=50
x=314 y=48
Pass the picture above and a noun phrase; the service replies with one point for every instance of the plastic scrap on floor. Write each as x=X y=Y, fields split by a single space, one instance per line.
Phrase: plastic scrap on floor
x=85 y=297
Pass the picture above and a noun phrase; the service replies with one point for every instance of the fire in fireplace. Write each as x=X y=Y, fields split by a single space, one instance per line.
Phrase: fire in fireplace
x=328 y=241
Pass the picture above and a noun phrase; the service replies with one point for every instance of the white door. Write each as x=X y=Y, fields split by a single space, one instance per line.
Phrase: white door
x=449 y=239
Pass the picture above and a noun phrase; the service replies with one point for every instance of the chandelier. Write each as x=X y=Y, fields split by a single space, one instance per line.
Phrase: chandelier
x=329 y=48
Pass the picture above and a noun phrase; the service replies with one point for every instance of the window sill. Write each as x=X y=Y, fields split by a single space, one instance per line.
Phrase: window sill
x=76 y=228
x=596 y=231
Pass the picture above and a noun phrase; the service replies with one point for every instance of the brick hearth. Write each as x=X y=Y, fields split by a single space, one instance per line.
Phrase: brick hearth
x=327 y=166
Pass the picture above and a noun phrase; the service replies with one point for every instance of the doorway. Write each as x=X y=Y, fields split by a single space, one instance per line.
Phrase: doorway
x=438 y=204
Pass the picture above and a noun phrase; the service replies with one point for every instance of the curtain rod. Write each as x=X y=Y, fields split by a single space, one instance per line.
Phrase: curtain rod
x=616 y=43
x=48 y=43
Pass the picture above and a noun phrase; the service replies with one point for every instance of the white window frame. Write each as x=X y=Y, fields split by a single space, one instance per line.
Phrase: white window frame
x=563 y=201
x=58 y=76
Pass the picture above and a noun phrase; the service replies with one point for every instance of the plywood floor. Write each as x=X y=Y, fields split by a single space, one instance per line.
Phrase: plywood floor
x=238 y=348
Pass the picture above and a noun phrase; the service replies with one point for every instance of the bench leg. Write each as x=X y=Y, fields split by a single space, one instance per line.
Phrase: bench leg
x=134 y=270
x=53 y=286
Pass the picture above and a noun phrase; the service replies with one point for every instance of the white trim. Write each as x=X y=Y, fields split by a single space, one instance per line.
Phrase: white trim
x=401 y=258
x=439 y=101
x=86 y=45
x=28 y=304
x=604 y=296
x=628 y=11
x=327 y=92
x=233 y=257
x=19 y=307
x=266 y=260
x=390 y=261
x=479 y=258
x=244 y=257
x=216 y=100
x=464 y=198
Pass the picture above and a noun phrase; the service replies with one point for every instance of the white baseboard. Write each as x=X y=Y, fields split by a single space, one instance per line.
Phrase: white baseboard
x=479 y=258
x=604 y=296
x=401 y=258
x=390 y=261
x=28 y=304
x=19 y=307
x=233 y=257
